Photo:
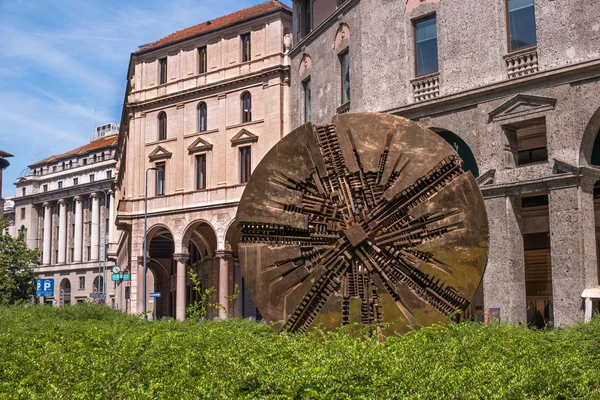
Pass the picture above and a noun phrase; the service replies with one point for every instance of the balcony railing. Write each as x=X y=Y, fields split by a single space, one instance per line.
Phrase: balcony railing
x=426 y=88
x=522 y=63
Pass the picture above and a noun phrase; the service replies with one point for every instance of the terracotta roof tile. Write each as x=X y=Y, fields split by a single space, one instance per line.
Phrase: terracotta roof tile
x=109 y=141
x=216 y=23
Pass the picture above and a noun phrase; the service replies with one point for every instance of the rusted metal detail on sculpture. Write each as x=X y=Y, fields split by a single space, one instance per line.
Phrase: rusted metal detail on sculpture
x=369 y=219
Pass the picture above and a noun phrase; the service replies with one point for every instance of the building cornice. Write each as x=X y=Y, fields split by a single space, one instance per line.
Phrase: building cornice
x=133 y=106
x=570 y=74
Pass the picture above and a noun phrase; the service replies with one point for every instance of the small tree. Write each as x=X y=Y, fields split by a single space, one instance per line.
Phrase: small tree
x=17 y=281
x=199 y=309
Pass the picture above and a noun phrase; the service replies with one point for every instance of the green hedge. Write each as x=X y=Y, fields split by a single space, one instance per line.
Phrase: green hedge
x=93 y=352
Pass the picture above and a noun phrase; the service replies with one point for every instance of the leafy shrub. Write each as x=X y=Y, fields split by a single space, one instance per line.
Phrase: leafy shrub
x=93 y=352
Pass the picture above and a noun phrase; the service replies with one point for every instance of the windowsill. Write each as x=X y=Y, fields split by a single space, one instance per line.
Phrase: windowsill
x=206 y=132
x=521 y=50
x=245 y=124
x=531 y=164
x=425 y=76
x=173 y=139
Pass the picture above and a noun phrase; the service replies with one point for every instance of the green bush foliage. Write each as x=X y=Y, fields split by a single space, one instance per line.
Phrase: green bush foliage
x=93 y=352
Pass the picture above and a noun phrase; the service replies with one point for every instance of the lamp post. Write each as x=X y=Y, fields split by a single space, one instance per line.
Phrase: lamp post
x=144 y=269
x=101 y=288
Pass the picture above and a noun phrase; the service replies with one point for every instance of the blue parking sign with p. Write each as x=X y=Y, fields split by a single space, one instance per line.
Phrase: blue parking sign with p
x=44 y=287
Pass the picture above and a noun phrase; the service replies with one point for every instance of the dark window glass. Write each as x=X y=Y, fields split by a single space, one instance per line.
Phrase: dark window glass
x=521 y=24
x=345 y=64
x=202 y=61
x=202 y=122
x=84 y=161
x=108 y=174
x=307 y=101
x=532 y=156
x=245 y=164
x=75 y=181
x=92 y=178
x=24 y=191
x=307 y=16
x=23 y=213
x=200 y=171
x=60 y=184
x=162 y=66
x=162 y=126
x=45 y=188
x=160 y=180
x=54 y=168
x=426 y=46
x=246 y=107
x=534 y=201
x=246 y=47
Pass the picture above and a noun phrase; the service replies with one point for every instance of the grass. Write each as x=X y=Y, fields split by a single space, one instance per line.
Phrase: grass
x=93 y=352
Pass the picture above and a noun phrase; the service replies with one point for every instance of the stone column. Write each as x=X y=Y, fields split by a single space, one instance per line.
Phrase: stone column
x=504 y=277
x=111 y=216
x=95 y=244
x=181 y=259
x=62 y=232
x=224 y=258
x=572 y=250
x=47 y=233
x=78 y=229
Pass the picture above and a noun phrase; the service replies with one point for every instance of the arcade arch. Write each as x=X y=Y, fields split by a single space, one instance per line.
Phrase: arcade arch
x=463 y=150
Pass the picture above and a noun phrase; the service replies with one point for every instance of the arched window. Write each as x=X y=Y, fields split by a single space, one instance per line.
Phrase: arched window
x=202 y=121
x=162 y=126
x=102 y=156
x=246 y=107
x=71 y=164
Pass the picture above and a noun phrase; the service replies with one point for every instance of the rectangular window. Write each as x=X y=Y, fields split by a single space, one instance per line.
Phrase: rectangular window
x=246 y=48
x=202 y=60
x=426 y=51
x=527 y=142
x=89 y=253
x=245 y=164
x=521 y=24
x=89 y=226
x=108 y=174
x=60 y=184
x=75 y=181
x=345 y=70
x=82 y=282
x=72 y=230
x=307 y=20
x=72 y=254
x=307 y=101
x=85 y=161
x=162 y=70
x=54 y=168
x=201 y=171
x=22 y=212
x=45 y=187
x=92 y=177
x=23 y=191
x=160 y=179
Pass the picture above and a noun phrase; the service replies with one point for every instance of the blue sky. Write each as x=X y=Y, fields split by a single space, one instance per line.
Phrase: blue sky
x=63 y=64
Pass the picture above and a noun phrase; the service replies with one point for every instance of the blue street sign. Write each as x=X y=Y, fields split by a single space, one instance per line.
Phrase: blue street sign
x=154 y=294
x=44 y=287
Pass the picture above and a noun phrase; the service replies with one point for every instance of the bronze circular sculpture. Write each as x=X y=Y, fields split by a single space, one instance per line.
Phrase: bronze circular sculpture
x=369 y=219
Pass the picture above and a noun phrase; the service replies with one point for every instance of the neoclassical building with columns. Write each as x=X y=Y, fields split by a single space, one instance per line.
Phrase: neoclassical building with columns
x=64 y=208
x=514 y=86
x=202 y=107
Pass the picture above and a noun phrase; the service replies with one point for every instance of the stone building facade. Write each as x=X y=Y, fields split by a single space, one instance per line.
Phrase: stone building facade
x=202 y=107
x=64 y=208
x=514 y=85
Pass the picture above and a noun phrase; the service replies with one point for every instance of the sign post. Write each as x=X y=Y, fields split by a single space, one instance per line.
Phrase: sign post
x=154 y=295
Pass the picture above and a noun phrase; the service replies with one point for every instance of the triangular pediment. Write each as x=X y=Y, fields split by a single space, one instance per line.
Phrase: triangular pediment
x=520 y=106
x=199 y=145
x=242 y=137
x=159 y=153
x=487 y=178
x=561 y=167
